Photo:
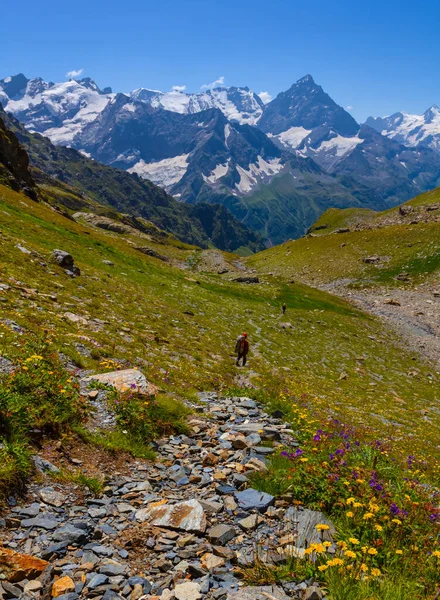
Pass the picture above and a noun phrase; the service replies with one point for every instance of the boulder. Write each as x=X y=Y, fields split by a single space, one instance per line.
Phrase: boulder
x=125 y=380
x=15 y=566
x=65 y=261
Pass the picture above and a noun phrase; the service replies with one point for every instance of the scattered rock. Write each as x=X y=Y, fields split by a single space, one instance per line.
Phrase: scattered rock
x=247 y=279
x=190 y=590
x=267 y=592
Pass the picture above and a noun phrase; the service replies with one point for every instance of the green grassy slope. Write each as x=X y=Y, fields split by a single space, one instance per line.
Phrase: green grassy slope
x=408 y=243
x=138 y=311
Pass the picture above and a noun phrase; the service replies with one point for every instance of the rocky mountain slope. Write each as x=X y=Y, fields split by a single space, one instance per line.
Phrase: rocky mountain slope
x=81 y=184
x=411 y=130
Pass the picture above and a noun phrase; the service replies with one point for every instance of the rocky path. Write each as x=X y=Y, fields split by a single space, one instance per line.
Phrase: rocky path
x=180 y=528
x=413 y=313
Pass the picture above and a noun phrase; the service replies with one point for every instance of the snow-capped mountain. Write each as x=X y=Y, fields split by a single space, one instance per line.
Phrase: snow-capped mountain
x=59 y=110
x=307 y=121
x=411 y=130
x=275 y=165
x=236 y=103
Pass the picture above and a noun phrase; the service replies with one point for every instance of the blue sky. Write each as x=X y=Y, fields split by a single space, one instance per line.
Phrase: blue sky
x=377 y=57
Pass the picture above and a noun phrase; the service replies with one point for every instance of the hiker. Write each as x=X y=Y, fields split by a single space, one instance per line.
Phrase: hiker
x=242 y=348
x=284 y=308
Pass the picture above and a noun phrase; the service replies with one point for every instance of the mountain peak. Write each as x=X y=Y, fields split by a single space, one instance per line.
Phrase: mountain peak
x=432 y=113
x=306 y=79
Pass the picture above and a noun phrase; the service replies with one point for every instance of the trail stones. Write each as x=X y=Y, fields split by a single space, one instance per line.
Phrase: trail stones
x=15 y=566
x=185 y=516
x=250 y=523
x=251 y=499
x=313 y=593
x=221 y=534
x=66 y=262
x=267 y=592
x=189 y=590
x=211 y=562
x=128 y=379
x=50 y=496
x=61 y=586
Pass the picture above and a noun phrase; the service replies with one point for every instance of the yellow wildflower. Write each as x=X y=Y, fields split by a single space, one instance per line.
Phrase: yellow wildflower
x=375 y=572
x=357 y=504
x=399 y=552
x=436 y=553
x=353 y=540
x=327 y=544
x=322 y=567
x=368 y=516
x=322 y=527
x=350 y=554
x=363 y=568
x=396 y=521
x=378 y=527
x=349 y=501
x=349 y=514
x=372 y=551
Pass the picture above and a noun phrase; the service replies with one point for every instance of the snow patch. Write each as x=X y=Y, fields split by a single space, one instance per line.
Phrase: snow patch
x=166 y=172
x=262 y=170
x=217 y=173
x=292 y=138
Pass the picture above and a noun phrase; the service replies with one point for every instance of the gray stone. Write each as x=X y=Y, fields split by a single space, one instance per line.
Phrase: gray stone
x=71 y=534
x=266 y=592
x=44 y=466
x=96 y=580
x=42 y=522
x=313 y=593
x=251 y=499
x=221 y=534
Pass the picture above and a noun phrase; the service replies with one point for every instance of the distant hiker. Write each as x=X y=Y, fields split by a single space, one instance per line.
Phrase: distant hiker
x=242 y=348
x=284 y=308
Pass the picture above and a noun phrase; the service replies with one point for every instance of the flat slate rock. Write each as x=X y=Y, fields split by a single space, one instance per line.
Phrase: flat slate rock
x=251 y=499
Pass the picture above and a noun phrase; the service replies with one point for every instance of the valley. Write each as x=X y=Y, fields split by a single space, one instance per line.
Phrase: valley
x=137 y=461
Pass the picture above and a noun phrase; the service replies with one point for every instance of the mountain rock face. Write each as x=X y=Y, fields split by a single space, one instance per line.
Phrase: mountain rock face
x=411 y=130
x=307 y=121
x=14 y=162
x=276 y=166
